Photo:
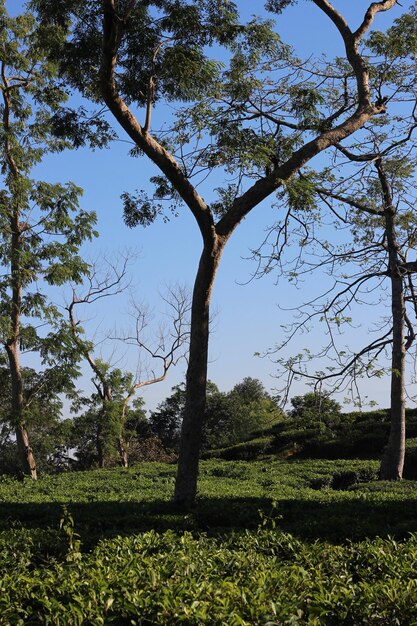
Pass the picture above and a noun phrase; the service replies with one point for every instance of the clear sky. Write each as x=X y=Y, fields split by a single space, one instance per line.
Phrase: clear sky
x=248 y=318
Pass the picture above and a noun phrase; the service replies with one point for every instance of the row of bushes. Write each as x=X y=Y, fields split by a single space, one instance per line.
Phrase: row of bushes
x=354 y=435
x=263 y=577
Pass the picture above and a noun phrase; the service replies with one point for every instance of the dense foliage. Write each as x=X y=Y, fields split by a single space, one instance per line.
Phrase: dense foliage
x=230 y=417
x=260 y=578
x=83 y=548
x=313 y=409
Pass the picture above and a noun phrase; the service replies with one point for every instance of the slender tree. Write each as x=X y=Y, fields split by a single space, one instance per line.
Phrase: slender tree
x=41 y=228
x=108 y=408
x=372 y=199
x=257 y=120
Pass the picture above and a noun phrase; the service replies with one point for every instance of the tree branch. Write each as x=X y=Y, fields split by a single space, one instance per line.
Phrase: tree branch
x=158 y=154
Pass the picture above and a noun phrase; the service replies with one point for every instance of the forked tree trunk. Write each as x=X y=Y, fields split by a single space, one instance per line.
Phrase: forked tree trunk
x=113 y=25
x=392 y=462
x=196 y=381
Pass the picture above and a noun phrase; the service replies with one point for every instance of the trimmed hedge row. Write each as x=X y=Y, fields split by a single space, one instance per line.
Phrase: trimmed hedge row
x=358 y=435
x=264 y=577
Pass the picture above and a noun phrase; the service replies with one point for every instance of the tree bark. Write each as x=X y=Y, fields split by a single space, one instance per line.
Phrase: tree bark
x=392 y=462
x=393 y=458
x=26 y=456
x=196 y=381
x=123 y=452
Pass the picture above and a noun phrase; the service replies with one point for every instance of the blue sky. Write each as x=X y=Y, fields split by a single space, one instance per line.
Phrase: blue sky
x=248 y=319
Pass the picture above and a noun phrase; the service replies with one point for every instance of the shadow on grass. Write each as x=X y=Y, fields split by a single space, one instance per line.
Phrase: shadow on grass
x=307 y=519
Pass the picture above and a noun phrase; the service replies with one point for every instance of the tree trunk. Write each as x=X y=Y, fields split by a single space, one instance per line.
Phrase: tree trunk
x=27 y=459
x=100 y=448
x=393 y=459
x=196 y=381
x=12 y=349
x=392 y=462
x=123 y=452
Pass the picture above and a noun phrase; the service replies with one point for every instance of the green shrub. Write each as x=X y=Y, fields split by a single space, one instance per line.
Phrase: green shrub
x=263 y=577
x=245 y=451
x=410 y=461
x=239 y=565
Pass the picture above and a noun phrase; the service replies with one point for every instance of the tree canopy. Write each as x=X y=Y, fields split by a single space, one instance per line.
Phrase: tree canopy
x=255 y=114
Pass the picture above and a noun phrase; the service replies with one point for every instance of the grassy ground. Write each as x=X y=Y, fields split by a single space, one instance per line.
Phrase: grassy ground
x=268 y=542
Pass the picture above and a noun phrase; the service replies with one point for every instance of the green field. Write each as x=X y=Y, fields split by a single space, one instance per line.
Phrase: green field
x=268 y=542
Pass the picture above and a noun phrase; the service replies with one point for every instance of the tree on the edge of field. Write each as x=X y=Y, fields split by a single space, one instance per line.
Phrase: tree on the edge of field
x=43 y=417
x=377 y=206
x=371 y=196
x=108 y=408
x=256 y=118
x=98 y=435
x=314 y=409
x=41 y=227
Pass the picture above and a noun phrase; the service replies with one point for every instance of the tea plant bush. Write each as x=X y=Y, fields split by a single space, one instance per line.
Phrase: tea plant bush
x=269 y=542
x=318 y=499
x=343 y=436
x=262 y=577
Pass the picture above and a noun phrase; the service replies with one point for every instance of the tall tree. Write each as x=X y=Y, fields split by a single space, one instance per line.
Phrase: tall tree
x=369 y=193
x=41 y=228
x=256 y=117
x=372 y=198
x=99 y=432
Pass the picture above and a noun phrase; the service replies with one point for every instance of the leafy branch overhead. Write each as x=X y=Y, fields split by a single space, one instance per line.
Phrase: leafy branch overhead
x=237 y=119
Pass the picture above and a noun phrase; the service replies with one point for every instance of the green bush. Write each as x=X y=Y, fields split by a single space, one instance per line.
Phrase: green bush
x=272 y=543
x=245 y=451
x=410 y=461
x=263 y=577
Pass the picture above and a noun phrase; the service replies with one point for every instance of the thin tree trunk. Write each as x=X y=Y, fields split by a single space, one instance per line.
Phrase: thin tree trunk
x=393 y=458
x=392 y=462
x=26 y=456
x=12 y=344
x=27 y=459
x=123 y=446
x=123 y=452
x=196 y=380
